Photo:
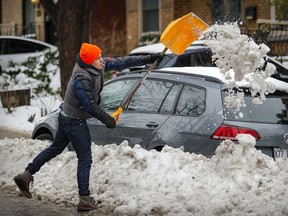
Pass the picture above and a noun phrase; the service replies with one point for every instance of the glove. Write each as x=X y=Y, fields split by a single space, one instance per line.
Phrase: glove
x=157 y=57
x=105 y=118
x=110 y=122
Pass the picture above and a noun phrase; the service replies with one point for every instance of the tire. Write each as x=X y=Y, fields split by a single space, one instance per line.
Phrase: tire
x=45 y=136
x=158 y=148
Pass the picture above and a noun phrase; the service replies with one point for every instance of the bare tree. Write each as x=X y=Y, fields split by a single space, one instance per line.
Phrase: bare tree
x=72 y=21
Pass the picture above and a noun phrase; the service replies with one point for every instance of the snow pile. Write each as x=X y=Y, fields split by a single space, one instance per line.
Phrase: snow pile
x=238 y=180
x=233 y=50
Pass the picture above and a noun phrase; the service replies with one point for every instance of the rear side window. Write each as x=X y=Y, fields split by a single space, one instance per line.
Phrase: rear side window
x=273 y=110
x=154 y=96
x=192 y=101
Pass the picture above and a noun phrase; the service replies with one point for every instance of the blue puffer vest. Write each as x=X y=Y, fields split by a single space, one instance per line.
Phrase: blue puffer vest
x=72 y=105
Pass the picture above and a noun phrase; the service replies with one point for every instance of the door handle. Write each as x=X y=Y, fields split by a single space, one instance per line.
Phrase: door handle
x=152 y=124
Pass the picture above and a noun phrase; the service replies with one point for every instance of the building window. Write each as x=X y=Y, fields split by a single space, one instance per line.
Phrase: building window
x=150 y=17
x=28 y=19
x=226 y=10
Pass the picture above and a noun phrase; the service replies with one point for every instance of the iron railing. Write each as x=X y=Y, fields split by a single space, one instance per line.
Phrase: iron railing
x=274 y=34
x=31 y=30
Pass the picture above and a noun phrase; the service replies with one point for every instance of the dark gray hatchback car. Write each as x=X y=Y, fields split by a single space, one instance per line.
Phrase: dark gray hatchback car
x=183 y=107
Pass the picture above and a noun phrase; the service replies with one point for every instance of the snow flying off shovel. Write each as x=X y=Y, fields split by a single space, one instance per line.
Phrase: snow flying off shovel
x=177 y=36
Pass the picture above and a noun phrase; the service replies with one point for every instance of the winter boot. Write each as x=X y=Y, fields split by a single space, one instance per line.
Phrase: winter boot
x=86 y=203
x=23 y=181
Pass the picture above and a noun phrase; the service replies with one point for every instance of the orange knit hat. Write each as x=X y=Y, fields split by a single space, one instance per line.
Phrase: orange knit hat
x=89 y=52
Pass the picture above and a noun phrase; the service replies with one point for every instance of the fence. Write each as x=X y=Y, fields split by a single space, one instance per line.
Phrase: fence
x=14 y=98
x=274 y=34
x=8 y=29
x=32 y=30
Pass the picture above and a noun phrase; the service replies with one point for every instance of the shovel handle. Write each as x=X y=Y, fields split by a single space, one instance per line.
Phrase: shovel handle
x=117 y=114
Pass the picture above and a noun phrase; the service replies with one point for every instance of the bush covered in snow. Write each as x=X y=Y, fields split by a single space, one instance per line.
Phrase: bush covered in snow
x=40 y=73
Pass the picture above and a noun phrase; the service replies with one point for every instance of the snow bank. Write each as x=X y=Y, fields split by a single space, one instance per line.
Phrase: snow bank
x=238 y=180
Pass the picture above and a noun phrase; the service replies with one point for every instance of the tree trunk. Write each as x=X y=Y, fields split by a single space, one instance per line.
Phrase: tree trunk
x=73 y=28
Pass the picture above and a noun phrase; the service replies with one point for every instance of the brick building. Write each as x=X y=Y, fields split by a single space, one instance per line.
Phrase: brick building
x=245 y=11
x=28 y=18
x=123 y=25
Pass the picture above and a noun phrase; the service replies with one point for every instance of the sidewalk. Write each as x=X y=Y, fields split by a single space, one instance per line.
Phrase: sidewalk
x=11 y=204
x=12 y=134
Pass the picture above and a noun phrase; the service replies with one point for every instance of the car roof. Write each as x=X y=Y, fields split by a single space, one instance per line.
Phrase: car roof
x=213 y=73
x=158 y=48
x=28 y=39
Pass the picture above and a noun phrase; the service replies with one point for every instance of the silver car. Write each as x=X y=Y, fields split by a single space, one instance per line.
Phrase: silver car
x=183 y=107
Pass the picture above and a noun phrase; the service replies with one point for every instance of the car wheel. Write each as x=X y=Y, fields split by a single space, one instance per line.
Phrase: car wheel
x=45 y=136
x=158 y=148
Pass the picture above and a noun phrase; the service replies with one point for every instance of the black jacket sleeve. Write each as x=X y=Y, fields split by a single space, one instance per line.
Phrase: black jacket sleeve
x=84 y=90
x=121 y=63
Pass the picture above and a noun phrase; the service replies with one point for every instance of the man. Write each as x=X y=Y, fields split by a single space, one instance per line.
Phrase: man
x=81 y=101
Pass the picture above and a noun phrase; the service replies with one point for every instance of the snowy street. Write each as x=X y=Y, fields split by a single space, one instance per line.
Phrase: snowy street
x=11 y=204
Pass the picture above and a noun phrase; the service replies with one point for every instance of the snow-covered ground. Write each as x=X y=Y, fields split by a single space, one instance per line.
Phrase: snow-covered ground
x=238 y=180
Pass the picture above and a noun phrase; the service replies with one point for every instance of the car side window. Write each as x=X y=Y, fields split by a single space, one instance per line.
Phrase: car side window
x=192 y=101
x=114 y=93
x=153 y=96
x=20 y=46
x=196 y=59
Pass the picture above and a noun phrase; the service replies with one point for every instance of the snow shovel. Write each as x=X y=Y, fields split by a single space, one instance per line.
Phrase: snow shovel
x=177 y=36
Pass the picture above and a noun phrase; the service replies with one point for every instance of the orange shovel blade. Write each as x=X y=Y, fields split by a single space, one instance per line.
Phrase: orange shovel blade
x=180 y=33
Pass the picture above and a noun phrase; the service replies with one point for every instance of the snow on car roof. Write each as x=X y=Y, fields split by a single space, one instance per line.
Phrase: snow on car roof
x=150 y=49
x=214 y=72
x=158 y=47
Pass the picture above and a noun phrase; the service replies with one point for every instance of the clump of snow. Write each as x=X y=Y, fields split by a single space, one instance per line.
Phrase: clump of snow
x=233 y=50
x=237 y=180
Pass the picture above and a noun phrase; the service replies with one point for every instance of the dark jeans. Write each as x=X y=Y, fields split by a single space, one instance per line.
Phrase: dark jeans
x=77 y=132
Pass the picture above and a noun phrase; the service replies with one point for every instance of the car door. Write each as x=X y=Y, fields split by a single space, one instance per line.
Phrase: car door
x=148 y=109
x=195 y=118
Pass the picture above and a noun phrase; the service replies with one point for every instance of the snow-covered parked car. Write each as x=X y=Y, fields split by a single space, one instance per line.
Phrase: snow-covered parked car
x=184 y=106
x=19 y=49
x=197 y=54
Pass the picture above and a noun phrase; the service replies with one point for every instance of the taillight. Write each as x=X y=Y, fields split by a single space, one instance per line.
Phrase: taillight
x=230 y=132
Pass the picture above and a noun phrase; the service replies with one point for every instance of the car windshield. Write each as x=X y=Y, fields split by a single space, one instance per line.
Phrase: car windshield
x=273 y=109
